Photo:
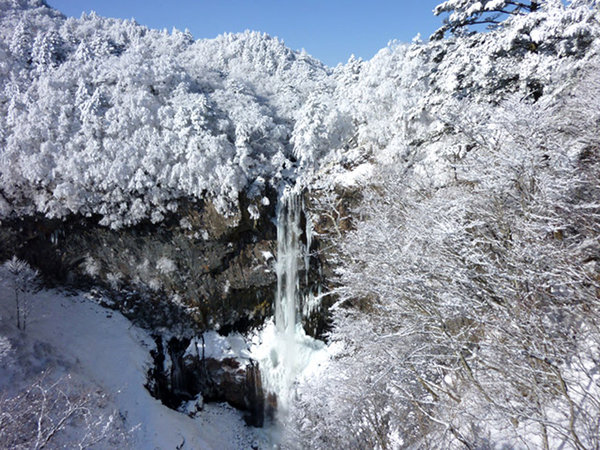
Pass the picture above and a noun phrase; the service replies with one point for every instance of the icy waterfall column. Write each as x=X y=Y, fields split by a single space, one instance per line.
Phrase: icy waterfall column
x=289 y=250
x=283 y=350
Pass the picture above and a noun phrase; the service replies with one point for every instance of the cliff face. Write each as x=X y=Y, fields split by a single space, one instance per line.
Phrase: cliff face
x=194 y=271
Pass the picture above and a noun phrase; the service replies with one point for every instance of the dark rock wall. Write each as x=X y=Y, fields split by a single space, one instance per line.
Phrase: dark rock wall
x=177 y=377
x=216 y=271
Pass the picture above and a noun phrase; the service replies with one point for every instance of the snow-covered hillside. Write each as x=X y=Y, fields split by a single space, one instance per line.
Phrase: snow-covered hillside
x=108 y=118
x=92 y=363
x=103 y=116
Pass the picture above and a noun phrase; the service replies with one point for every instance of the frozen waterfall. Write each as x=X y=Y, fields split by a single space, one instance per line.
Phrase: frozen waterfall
x=289 y=252
x=283 y=349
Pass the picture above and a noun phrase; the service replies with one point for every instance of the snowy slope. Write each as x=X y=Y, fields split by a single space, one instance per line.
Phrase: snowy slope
x=101 y=350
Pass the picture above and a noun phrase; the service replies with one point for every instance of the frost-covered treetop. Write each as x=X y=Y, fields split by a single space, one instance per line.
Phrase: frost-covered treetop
x=464 y=13
x=106 y=118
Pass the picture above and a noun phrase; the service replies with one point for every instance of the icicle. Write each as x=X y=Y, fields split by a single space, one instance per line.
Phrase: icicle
x=309 y=235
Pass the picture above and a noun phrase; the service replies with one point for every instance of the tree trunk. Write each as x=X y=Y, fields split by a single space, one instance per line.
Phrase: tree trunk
x=18 y=309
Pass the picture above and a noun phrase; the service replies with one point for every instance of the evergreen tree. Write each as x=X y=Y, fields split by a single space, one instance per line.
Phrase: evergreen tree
x=46 y=50
x=20 y=45
x=466 y=13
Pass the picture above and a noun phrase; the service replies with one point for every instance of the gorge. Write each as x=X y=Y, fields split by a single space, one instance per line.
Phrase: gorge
x=238 y=246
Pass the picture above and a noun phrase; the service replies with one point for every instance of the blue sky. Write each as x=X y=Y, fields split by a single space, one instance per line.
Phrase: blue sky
x=330 y=30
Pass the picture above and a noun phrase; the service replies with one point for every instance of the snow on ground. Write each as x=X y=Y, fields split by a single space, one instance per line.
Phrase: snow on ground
x=103 y=350
x=355 y=176
x=220 y=347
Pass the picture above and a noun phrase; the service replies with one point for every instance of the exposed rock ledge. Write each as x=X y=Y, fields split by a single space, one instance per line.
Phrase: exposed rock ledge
x=208 y=368
x=196 y=270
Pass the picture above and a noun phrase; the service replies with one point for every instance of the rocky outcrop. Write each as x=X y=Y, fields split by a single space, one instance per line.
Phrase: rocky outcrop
x=198 y=267
x=231 y=380
x=182 y=373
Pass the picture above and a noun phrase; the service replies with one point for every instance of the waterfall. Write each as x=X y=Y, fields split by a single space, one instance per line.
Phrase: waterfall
x=283 y=349
x=289 y=250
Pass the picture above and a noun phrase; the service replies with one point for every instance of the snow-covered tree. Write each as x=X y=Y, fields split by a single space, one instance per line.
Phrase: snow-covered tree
x=467 y=309
x=189 y=118
x=53 y=414
x=465 y=13
x=21 y=44
x=22 y=279
x=46 y=51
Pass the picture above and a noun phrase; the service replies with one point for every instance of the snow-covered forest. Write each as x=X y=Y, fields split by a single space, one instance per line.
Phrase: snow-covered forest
x=450 y=221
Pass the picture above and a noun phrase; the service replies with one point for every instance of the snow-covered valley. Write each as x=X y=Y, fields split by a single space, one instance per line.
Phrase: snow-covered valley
x=239 y=247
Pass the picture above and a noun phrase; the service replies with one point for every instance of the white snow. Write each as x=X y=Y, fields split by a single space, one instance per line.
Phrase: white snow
x=267 y=255
x=104 y=350
x=166 y=265
x=220 y=347
x=254 y=212
x=356 y=176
